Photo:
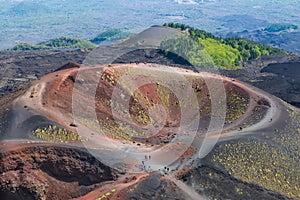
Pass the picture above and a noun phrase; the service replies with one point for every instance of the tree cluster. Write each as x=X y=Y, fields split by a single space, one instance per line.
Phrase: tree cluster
x=226 y=53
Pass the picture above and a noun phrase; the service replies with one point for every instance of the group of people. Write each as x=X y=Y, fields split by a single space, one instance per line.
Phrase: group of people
x=148 y=168
x=144 y=165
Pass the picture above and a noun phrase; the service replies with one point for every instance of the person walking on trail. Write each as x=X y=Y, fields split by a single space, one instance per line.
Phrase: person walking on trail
x=144 y=167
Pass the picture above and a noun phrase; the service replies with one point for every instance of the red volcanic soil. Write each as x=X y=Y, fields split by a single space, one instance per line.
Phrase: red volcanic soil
x=52 y=96
x=118 y=108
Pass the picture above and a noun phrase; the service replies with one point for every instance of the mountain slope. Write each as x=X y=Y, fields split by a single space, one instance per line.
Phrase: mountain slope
x=226 y=53
x=58 y=43
x=283 y=36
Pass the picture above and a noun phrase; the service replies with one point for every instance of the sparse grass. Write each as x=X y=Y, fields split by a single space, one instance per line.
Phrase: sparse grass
x=111 y=129
x=164 y=96
x=289 y=136
x=52 y=133
x=258 y=114
x=140 y=115
x=262 y=164
x=237 y=104
x=109 y=78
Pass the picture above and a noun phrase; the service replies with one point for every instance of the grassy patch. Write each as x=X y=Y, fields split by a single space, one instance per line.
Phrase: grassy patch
x=262 y=164
x=52 y=133
x=237 y=104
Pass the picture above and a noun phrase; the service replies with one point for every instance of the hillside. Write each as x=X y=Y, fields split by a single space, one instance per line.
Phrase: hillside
x=283 y=35
x=58 y=43
x=226 y=53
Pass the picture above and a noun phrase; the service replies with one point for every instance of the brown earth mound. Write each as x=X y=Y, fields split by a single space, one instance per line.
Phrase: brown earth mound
x=45 y=172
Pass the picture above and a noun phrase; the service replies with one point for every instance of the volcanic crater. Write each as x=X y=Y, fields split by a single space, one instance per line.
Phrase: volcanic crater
x=105 y=129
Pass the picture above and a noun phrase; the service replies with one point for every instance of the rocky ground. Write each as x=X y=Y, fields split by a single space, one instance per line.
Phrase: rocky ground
x=20 y=67
x=277 y=75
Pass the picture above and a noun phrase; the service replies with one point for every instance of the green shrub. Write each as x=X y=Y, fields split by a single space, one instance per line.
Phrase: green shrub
x=52 y=133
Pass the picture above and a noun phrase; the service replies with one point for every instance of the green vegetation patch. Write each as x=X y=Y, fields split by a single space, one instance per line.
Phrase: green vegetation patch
x=58 y=43
x=225 y=53
x=25 y=46
x=281 y=27
x=250 y=50
x=64 y=42
x=52 y=133
x=189 y=49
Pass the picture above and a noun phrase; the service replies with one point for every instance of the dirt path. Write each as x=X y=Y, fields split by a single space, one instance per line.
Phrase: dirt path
x=113 y=190
x=192 y=194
